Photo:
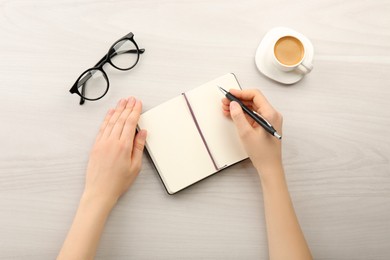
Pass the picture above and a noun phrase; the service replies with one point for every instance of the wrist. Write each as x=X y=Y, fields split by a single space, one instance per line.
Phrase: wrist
x=101 y=203
x=271 y=172
x=268 y=166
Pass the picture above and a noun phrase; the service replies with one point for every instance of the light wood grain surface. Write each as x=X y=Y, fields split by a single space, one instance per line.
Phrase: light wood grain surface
x=336 y=121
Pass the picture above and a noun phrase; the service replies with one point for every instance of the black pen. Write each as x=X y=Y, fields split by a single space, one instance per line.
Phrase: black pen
x=255 y=116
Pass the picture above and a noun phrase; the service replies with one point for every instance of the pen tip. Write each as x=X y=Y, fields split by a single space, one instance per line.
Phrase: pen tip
x=222 y=90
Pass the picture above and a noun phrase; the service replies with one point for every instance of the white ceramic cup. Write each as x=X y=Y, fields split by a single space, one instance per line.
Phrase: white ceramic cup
x=302 y=66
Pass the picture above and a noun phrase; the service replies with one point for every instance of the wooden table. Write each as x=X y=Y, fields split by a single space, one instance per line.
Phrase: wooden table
x=336 y=145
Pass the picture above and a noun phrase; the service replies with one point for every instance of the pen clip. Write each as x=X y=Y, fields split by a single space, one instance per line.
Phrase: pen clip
x=262 y=118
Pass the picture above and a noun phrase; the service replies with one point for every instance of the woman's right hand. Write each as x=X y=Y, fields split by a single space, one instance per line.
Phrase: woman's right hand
x=285 y=236
x=263 y=149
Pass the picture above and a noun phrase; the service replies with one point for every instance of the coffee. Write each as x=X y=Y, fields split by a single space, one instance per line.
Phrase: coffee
x=289 y=50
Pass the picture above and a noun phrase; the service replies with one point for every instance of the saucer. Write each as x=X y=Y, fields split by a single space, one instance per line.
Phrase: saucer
x=264 y=56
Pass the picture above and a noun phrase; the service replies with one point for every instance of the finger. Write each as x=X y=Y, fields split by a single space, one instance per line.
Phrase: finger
x=131 y=123
x=245 y=94
x=247 y=104
x=250 y=120
x=253 y=95
x=111 y=123
x=225 y=104
x=225 y=101
x=138 y=148
x=260 y=103
x=104 y=124
x=120 y=123
x=226 y=107
x=226 y=113
x=239 y=119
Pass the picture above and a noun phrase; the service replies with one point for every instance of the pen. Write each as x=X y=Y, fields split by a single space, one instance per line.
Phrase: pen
x=255 y=116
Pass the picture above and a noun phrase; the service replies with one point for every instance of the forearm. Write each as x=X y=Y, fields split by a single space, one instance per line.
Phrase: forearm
x=88 y=224
x=285 y=237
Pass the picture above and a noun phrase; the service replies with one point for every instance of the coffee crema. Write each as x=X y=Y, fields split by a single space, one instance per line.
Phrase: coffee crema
x=289 y=50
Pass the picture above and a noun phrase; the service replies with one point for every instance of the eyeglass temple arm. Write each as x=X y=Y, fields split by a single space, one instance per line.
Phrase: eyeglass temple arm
x=98 y=64
x=82 y=84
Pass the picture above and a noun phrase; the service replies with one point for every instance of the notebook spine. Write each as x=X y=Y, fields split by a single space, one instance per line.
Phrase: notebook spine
x=200 y=132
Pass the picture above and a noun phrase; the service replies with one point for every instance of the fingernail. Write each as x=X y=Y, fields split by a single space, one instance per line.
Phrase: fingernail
x=131 y=101
x=111 y=111
x=119 y=102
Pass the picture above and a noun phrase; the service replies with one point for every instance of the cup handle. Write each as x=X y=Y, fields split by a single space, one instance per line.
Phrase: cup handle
x=304 y=68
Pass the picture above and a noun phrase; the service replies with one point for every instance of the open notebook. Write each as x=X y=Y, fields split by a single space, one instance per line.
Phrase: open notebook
x=189 y=138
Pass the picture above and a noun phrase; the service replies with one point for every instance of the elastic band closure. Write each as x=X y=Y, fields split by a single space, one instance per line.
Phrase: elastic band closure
x=200 y=132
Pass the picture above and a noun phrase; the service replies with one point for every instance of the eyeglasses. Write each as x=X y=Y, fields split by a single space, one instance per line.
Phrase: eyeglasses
x=93 y=83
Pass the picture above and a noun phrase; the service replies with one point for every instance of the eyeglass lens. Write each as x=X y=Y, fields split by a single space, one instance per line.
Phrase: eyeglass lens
x=92 y=84
x=126 y=54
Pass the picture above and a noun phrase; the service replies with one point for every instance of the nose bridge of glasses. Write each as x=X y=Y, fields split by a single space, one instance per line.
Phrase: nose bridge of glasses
x=101 y=61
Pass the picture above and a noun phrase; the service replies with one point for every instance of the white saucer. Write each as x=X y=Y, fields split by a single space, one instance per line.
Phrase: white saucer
x=264 y=55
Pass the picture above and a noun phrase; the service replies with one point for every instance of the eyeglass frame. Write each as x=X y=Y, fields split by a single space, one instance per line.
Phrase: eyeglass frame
x=99 y=66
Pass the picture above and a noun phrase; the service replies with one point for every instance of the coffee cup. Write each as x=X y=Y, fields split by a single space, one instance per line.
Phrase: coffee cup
x=289 y=55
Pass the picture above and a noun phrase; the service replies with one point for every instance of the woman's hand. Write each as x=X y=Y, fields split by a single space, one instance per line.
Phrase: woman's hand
x=114 y=163
x=116 y=156
x=263 y=149
x=285 y=237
